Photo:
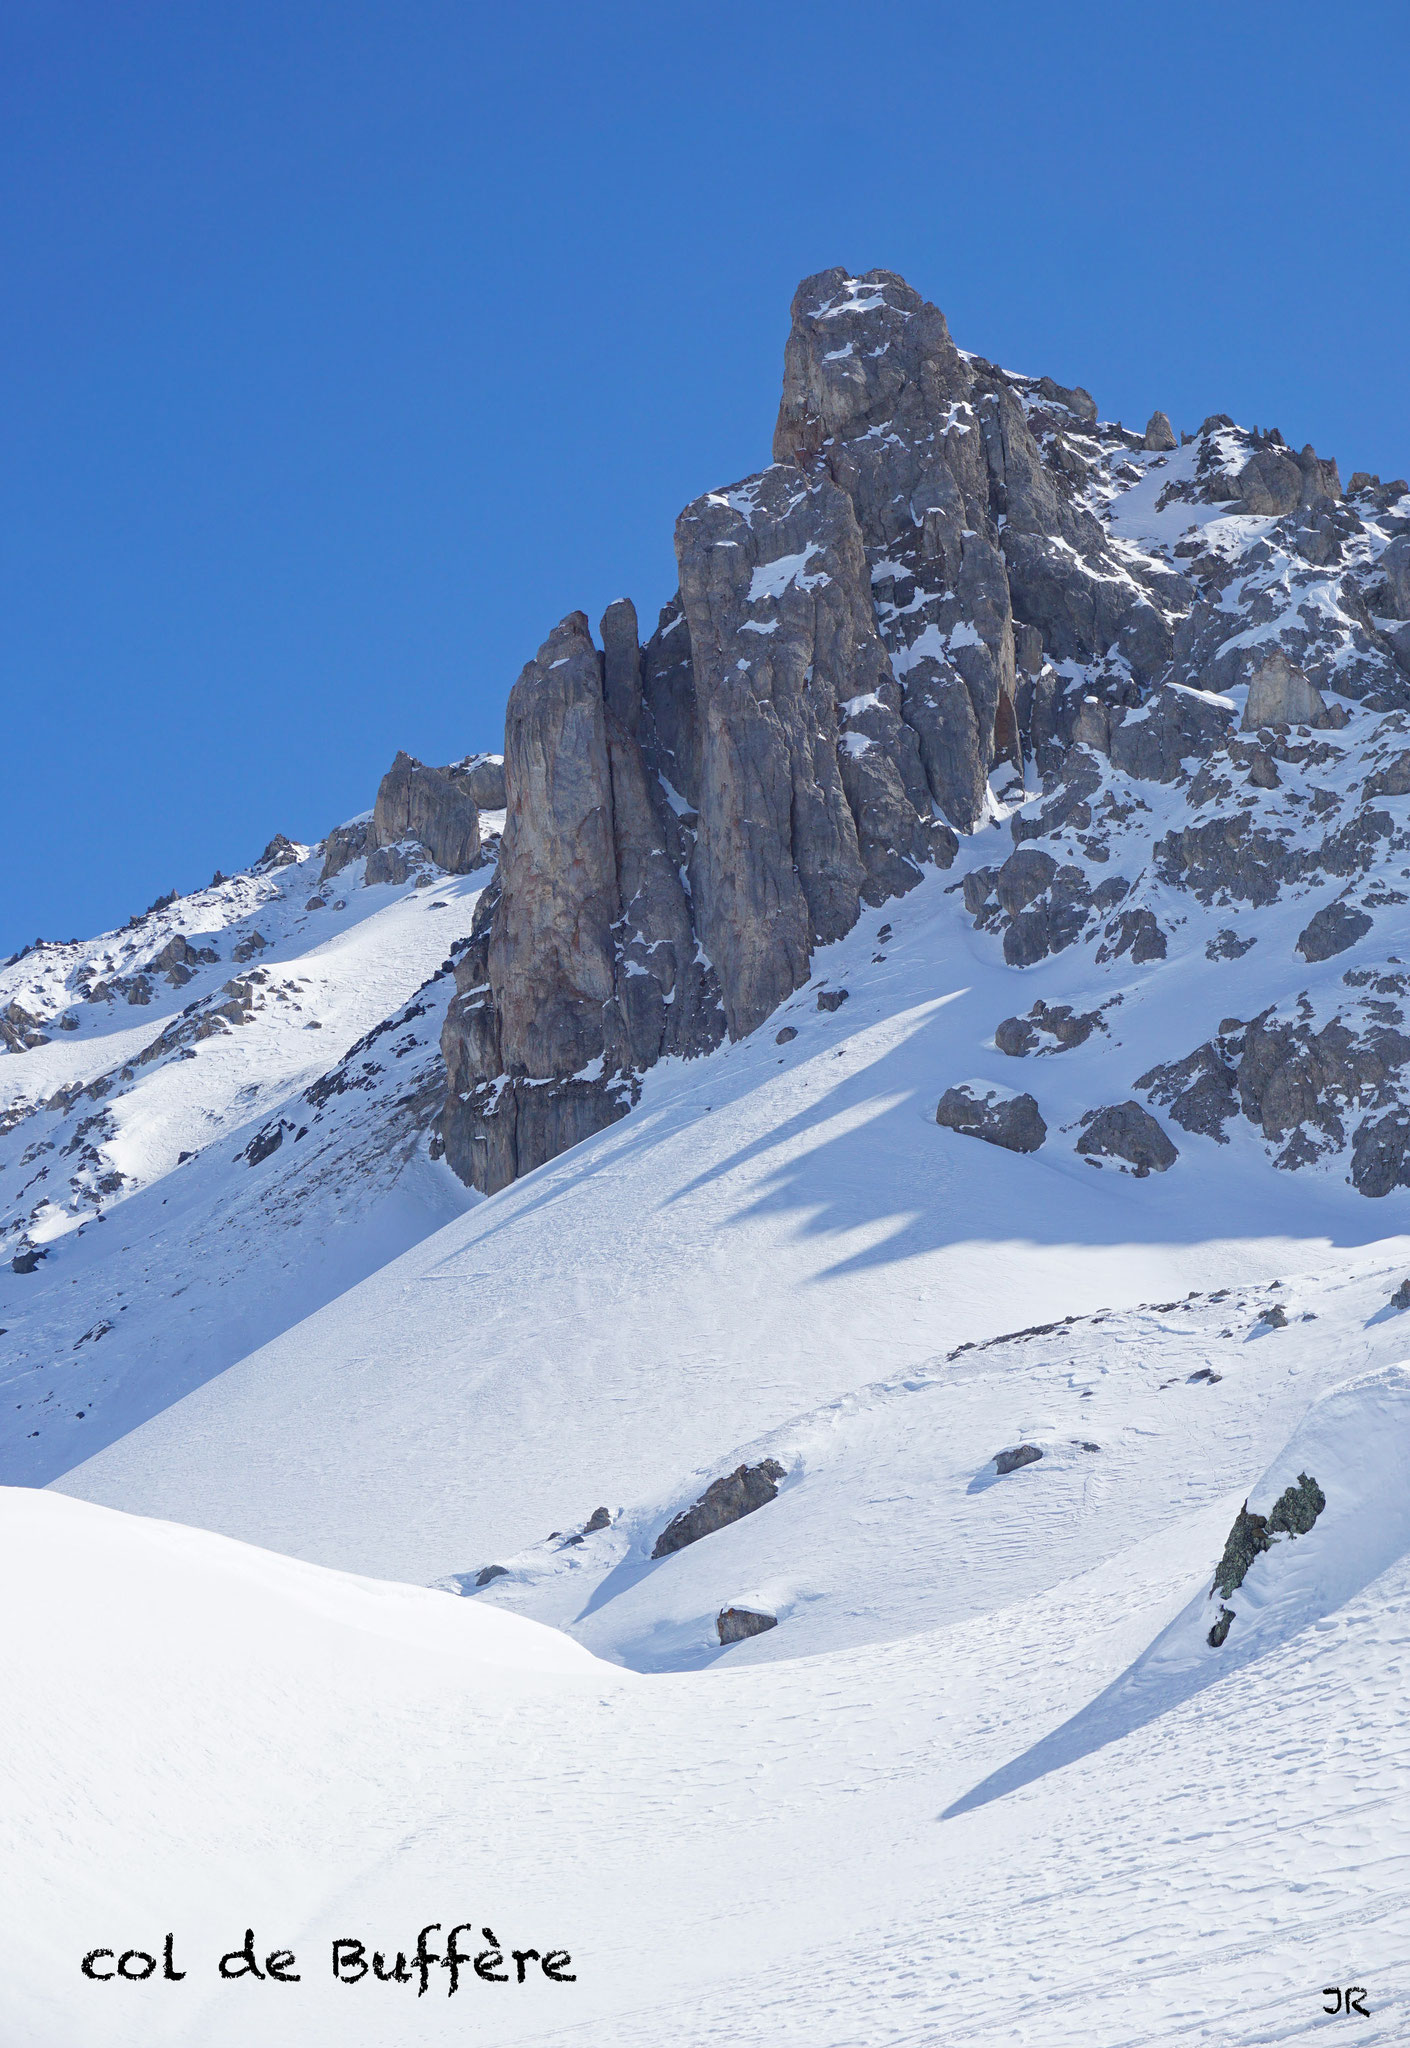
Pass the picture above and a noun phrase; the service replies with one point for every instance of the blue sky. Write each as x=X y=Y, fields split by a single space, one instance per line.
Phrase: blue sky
x=345 y=347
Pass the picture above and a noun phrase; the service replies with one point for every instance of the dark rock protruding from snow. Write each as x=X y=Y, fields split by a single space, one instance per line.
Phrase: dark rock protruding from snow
x=1247 y=1540
x=739 y=1493
x=1270 y=483
x=1292 y=1515
x=1401 y=1298
x=1127 y=1132
x=1177 y=724
x=995 y=1115
x=1296 y=1508
x=1159 y=436
x=1301 y=1087
x=832 y=998
x=737 y=1624
x=1065 y=1026
x=877 y=396
x=1011 y=1461
x=1331 y=930
x=345 y=843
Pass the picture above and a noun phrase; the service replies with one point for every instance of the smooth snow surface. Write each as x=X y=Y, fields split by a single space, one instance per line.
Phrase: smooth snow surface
x=903 y=1842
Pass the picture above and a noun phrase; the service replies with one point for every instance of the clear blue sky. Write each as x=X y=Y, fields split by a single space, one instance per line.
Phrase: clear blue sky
x=346 y=346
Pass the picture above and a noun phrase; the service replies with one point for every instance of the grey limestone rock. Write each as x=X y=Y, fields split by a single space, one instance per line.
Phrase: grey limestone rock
x=1014 y=1460
x=481 y=776
x=739 y=1493
x=1061 y=1023
x=1380 y=1154
x=1127 y=1132
x=1392 y=780
x=1176 y=724
x=1395 y=567
x=430 y=807
x=775 y=590
x=877 y=396
x=1298 y=1086
x=1199 y=1091
x=737 y=1624
x=1270 y=483
x=1073 y=397
x=996 y=1115
x=1159 y=436
x=1334 y=928
x=1279 y=693
x=345 y=843
x=19 y=1032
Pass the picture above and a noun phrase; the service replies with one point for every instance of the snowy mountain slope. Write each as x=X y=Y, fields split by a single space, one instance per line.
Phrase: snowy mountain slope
x=788 y=1851
x=774 y=1227
x=1077 y=1122
x=892 y=1518
x=197 y=1182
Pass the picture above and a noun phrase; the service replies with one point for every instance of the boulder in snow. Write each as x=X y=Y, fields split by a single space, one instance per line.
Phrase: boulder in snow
x=1334 y=928
x=726 y=1500
x=997 y=1116
x=1127 y=1132
x=737 y=1624
x=1010 y=1461
x=1159 y=435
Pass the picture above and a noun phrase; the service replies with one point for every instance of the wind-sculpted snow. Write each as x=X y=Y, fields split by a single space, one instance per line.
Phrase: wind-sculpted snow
x=1356 y=1439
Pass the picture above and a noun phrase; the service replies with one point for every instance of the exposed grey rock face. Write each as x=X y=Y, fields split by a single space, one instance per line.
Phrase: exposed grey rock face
x=429 y=807
x=1061 y=1023
x=1270 y=483
x=876 y=393
x=773 y=582
x=529 y=1024
x=1380 y=1154
x=1334 y=928
x=344 y=843
x=1395 y=567
x=1293 y=1514
x=739 y=1493
x=919 y=588
x=1015 y=1459
x=1300 y=1087
x=481 y=776
x=1011 y=1121
x=737 y=1624
x=1392 y=780
x=1173 y=727
x=1280 y=694
x=19 y=1032
x=1127 y=1132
